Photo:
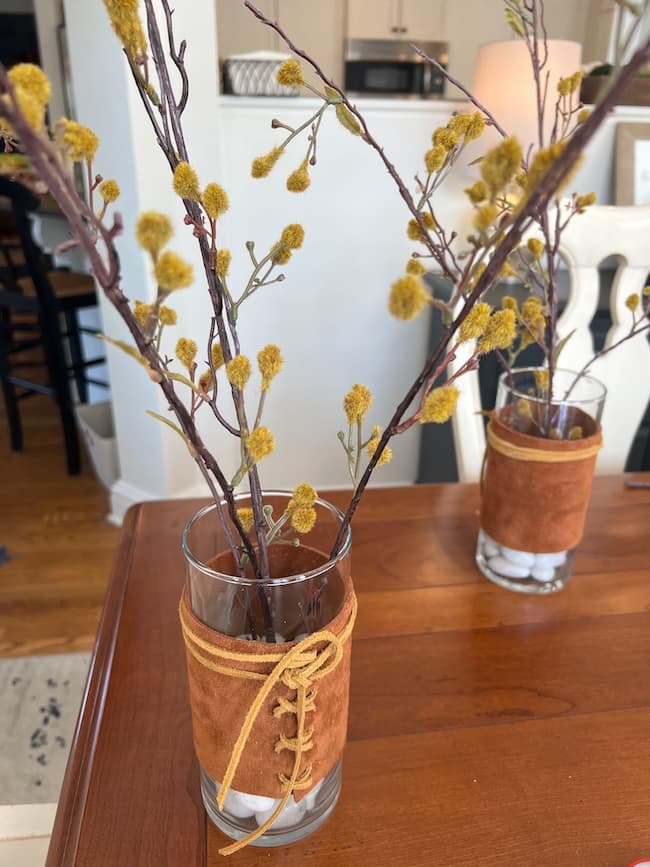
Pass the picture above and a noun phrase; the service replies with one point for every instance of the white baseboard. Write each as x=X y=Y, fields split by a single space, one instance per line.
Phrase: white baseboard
x=123 y=496
x=21 y=821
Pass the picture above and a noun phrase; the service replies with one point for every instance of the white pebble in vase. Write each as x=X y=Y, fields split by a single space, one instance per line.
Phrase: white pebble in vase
x=490 y=547
x=291 y=814
x=256 y=803
x=310 y=797
x=507 y=568
x=235 y=807
x=519 y=558
x=546 y=561
x=543 y=575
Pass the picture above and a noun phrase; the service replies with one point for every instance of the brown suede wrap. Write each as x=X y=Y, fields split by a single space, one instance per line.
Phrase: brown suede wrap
x=220 y=703
x=539 y=504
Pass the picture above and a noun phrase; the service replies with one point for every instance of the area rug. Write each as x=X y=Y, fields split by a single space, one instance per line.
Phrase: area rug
x=39 y=704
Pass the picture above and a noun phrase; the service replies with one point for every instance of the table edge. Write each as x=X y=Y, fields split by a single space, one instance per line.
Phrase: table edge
x=66 y=831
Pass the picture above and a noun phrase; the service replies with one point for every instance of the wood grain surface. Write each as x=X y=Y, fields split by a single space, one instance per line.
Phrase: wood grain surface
x=486 y=727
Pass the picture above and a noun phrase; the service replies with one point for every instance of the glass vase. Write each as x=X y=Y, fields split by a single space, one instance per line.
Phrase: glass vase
x=537 y=477
x=305 y=594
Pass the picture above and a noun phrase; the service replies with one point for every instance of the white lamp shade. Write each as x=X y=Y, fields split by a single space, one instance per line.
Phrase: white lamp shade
x=504 y=84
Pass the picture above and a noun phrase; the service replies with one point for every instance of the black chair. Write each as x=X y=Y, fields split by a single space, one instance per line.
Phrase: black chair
x=34 y=302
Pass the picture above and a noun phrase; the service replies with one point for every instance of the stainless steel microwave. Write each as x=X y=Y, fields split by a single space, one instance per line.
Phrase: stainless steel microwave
x=390 y=67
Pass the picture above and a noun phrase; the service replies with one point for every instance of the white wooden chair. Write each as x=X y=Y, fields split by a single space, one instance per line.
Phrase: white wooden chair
x=600 y=232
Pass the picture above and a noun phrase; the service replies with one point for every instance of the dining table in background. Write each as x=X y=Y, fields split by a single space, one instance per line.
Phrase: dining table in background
x=486 y=727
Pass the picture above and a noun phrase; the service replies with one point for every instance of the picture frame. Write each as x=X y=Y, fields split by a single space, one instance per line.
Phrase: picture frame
x=632 y=181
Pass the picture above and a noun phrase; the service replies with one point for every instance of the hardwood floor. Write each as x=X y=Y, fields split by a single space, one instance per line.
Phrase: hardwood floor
x=54 y=531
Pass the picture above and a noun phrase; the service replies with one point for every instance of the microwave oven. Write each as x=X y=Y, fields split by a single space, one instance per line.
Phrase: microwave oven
x=390 y=67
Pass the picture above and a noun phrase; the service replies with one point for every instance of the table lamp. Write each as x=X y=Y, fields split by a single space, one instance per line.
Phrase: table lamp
x=504 y=84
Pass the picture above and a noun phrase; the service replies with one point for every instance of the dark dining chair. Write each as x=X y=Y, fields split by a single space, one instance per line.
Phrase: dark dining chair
x=38 y=310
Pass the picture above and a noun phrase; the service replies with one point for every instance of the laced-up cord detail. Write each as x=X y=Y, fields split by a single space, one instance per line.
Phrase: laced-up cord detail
x=297 y=669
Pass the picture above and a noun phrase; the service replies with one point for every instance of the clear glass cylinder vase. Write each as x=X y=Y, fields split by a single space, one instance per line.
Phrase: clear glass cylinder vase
x=305 y=593
x=566 y=419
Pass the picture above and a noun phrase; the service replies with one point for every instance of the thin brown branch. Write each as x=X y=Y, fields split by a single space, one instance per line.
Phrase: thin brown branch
x=450 y=78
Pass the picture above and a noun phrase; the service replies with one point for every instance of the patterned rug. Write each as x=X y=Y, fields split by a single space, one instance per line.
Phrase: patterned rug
x=39 y=703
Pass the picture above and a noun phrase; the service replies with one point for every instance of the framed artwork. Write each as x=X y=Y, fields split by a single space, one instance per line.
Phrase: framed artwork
x=632 y=164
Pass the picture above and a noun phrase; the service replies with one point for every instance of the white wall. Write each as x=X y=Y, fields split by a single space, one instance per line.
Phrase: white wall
x=329 y=316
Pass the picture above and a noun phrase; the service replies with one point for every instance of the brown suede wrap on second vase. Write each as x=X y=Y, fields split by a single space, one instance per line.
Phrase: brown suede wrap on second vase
x=536 y=500
x=220 y=703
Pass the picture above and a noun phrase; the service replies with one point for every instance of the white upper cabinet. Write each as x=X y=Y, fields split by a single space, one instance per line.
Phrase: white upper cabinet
x=418 y=20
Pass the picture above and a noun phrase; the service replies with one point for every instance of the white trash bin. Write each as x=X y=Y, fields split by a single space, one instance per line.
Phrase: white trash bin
x=95 y=421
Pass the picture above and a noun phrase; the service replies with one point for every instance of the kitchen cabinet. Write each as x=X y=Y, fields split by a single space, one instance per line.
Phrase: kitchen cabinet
x=420 y=20
x=312 y=25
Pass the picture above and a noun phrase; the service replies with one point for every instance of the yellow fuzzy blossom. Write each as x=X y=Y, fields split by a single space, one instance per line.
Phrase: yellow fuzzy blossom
x=434 y=159
x=509 y=303
x=153 y=230
x=223 y=262
x=542 y=378
x=474 y=323
x=533 y=331
x=303 y=519
x=535 y=247
x=260 y=443
x=531 y=308
x=186 y=350
x=555 y=433
x=298 y=181
x=81 y=141
x=445 y=138
x=246 y=518
x=373 y=443
x=407 y=298
x=32 y=110
x=261 y=166
x=583 y=202
x=141 y=311
x=632 y=302
x=215 y=201
x=478 y=192
x=269 y=362
x=646 y=291
x=172 y=272
x=500 y=164
x=293 y=236
x=205 y=381
x=186 y=182
x=167 y=316
x=570 y=84
x=32 y=80
x=109 y=190
x=499 y=332
x=440 y=404
x=485 y=216
x=475 y=127
x=413 y=230
x=290 y=74
x=217 y=356
x=507 y=270
x=583 y=114
x=356 y=403
x=238 y=371
x=459 y=123
x=523 y=407
x=415 y=267
x=477 y=272
x=542 y=161
x=127 y=26
x=303 y=494
x=575 y=433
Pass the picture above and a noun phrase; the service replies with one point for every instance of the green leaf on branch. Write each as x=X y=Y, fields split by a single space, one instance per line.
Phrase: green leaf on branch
x=125 y=347
x=514 y=22
x=333 y=96
x=347 y=119
x=174 y=427
x=561 y=345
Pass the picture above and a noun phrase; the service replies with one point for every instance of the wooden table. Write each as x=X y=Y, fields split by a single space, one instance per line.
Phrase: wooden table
x=486 y=727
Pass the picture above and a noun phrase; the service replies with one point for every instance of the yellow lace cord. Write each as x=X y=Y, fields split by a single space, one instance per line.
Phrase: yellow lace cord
x=524 y=453
x=297 y=669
